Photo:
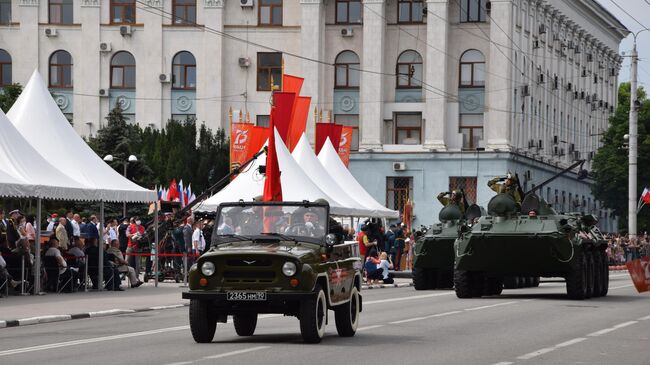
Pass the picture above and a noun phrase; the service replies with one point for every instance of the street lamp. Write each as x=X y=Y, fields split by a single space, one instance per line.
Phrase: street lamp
x=131 y=158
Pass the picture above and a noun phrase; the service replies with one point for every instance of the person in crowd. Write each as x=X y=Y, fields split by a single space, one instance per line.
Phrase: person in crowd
x=397 y=250
x=188 y=230
x=30 y=231
x=134 y=233
x=6 y=276
x=22 y=226
x=373 y=273
x=390 y=238
x=3 y=227
x=366 y=246
x=179 y=242
x=110 y=270
x=121 y=234
x=76 y=229
x=385 y=264
x=122 y=265
x=54 y=221
x=12 y=228
x=77 y=250
x=65 y=273
x=83 y=227
x=62 y=234
x=69 y=228
x=91 y=229
x=112 y=230
x=23 y=249
x=198 y=241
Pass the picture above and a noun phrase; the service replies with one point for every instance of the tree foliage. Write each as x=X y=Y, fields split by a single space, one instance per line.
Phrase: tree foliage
x=9 y=95
x=610 y=165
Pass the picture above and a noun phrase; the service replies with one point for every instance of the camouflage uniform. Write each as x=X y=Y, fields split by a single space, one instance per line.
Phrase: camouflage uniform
x=511 y=190
x=445 y=199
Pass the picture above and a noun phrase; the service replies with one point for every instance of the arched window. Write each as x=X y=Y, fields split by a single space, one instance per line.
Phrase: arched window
x=347 y=70
x=5 y=68
x=472 y=69
x=123 y=71
x=184 y=71
x=409 y=70
x=61 y=69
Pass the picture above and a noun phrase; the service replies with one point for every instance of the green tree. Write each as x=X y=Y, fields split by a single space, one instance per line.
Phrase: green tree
x=9 y=95
x=610 y=165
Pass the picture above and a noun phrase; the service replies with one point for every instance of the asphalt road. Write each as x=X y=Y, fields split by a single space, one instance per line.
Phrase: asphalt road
x=398 y=326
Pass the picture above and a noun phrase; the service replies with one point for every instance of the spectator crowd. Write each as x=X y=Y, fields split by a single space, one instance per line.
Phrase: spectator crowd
x=621 y=249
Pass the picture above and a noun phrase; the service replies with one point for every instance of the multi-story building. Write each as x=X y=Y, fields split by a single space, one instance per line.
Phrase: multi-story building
x=442 y=93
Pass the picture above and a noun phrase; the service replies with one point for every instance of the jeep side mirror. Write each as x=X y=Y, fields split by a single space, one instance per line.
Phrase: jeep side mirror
x=331 y=240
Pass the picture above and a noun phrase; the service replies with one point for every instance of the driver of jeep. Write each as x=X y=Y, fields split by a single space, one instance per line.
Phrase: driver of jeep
x=312 y=226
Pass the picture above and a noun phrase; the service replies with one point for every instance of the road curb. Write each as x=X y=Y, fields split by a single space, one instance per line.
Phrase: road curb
x=385 y=286
x=68 y=317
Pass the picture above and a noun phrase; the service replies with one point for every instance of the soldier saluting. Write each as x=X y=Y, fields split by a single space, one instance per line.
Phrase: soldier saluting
x=453 y=197
x=509 y=186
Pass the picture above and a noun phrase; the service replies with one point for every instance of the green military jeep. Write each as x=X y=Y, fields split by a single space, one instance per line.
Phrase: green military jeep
x=274 y=257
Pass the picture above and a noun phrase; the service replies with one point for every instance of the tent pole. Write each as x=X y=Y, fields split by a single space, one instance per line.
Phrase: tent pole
x=37 y=247
x=100 y=244
x=156 y=242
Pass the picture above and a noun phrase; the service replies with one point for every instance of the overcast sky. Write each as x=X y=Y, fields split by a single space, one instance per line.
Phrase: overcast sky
x=640 y=10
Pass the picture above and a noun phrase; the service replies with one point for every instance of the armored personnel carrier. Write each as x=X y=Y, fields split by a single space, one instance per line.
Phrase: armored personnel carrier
x=533 y=240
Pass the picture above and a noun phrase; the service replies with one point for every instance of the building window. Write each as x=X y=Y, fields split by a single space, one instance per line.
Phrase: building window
x=270 y=12
x=471 y=127
x=346 y=71
x=5 y=11
x=348 y=11
x=409 y=70
x=61 y=70
x=472 y=11
x=263 y=121
x=472 y=69
x=410 y=11
x=184 y=12
x=122 y=11
x=408 y=128
x=350 y=120
x=269 y=70
x=123 y=71
x=398 y=191
x=5 y=68
x=60 y=11
x=184 y=71
x=466 y=184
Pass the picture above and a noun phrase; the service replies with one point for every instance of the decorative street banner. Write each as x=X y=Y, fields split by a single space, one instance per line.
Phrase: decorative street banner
x=640 y=273
x=325 y=130
x=298 y=120
x=345 y=145
x=245 y=140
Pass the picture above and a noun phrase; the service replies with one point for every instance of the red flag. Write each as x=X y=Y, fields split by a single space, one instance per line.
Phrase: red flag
x=173 y=192
x=241 y=135
x=298 y=120
x=281 y=113
x=640 y=273
x=272 y=185
x=345 y=145
x=292 y=84
x=325 y=130
x=646 y=196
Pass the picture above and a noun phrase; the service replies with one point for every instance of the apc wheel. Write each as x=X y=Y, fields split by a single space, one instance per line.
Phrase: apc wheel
x=576 y=280
x=590 y=274
x=445 y=279
x=203 y=321
x=346 y=315
x=245 y=324
x=493 y=286
x=605 y=273
x=598 y=274
x=535 y=281
x=511 y=282
x=421 y=279
x=312 y=317
x=467 y=285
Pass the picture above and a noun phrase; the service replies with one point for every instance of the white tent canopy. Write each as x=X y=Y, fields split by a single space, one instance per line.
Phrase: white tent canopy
x=335 y=167
x=13 y=187
x=20 y=161
x=37 y=117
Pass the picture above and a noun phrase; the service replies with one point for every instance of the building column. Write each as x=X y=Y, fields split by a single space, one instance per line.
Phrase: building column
x=372 y=83
x=312 y=30
x=87 y=109
x=436 y=68
x=209 y=80
x=28 y=15
x=499 y=104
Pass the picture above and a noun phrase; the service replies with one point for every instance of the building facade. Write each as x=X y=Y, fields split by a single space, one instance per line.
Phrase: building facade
x=442 y=93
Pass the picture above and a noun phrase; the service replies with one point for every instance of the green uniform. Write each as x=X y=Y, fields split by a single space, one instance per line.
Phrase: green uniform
x=445 y=200
x=503 y=189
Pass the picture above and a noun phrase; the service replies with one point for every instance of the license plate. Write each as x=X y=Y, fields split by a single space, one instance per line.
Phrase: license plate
x=254 y=296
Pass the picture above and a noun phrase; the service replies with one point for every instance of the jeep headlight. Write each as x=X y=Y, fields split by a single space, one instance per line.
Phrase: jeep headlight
x=289 y=268
x=207 y=268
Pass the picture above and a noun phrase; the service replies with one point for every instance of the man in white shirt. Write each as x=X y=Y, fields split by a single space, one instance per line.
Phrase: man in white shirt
x=198 y=241
x=54 y=220
x=76 y=229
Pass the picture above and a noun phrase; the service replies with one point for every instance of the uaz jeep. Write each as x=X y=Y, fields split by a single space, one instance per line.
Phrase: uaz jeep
x=274 y=257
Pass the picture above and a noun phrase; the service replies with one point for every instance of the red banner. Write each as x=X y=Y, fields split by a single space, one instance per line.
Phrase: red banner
x=345 y=144
x=281 y=113
x=245 y=140
x=272 y=185
x=298 y=120
x=325 y=130
x=292 y=84
x=640 y=273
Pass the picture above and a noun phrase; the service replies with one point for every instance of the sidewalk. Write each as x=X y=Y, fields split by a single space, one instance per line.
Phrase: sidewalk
x=36 y=309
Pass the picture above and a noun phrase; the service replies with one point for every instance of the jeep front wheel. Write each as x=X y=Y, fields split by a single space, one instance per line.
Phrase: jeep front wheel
x=346 y=315
x=245 y=324
x=312 y=317
x=203 y=320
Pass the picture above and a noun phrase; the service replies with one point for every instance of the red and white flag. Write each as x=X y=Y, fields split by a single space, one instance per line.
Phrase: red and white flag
x=645 y=196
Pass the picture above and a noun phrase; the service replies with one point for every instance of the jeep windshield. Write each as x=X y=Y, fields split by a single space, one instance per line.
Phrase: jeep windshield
x=275 y=221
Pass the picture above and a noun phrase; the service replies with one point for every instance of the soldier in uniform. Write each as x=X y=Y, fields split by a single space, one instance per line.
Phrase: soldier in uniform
x=12 y=228
x=510 y=186
x=3 y=227
x=453 y=197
